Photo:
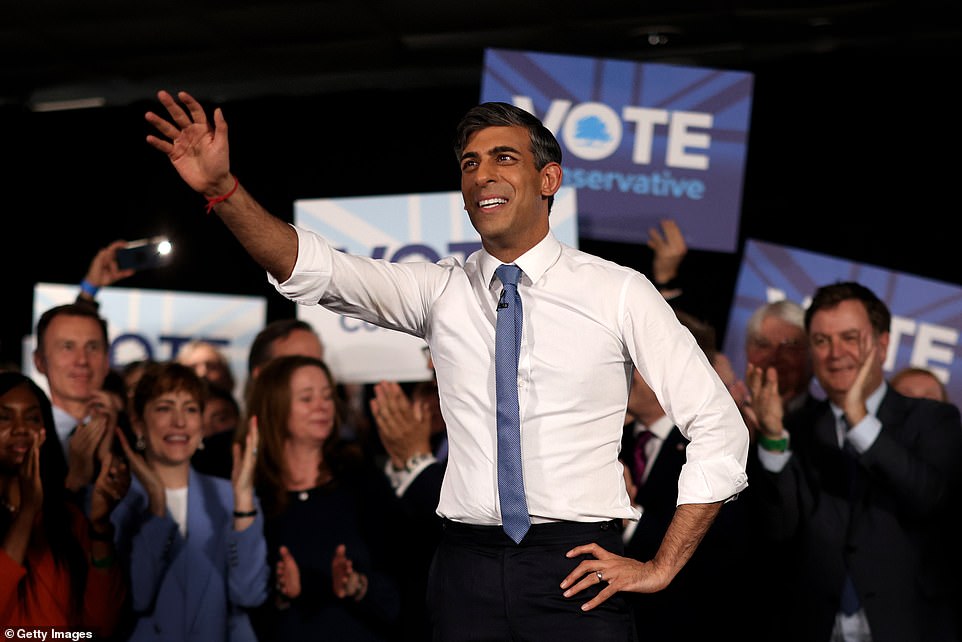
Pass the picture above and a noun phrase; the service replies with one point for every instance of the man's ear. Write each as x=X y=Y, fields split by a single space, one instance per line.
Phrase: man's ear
x=883 y=346
x=551 y=179
x=39 y=362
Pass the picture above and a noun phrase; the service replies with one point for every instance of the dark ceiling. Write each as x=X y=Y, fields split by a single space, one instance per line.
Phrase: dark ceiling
x=852 y=143
x=118 y=52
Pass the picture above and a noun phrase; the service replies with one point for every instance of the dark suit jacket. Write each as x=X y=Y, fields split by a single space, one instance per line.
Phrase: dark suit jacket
x=420 y=502
x=657 y=496
x=895 y=537
x=706 y=599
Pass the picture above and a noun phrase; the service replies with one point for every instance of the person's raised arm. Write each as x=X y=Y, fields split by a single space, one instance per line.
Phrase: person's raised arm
x=668 y=244
x=103 y=271
x=199 y=152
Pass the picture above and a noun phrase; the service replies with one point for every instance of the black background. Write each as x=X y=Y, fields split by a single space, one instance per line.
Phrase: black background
x=854 y=155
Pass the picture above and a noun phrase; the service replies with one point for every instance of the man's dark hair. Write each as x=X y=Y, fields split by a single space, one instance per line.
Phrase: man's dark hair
x=544 y=145
x=829 y=296
x=260 y=351
x=71 y=310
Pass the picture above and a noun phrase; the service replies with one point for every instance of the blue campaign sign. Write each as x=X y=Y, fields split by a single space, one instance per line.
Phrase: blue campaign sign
x=641 y=142
x=926 y=314
x=155 y=324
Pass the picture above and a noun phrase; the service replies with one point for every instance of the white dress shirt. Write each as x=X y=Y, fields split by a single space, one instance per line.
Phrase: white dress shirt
x=64 y=424
x=586 y=320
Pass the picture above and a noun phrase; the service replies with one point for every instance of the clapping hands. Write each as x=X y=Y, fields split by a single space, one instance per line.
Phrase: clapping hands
x=147 y=476
x=346 y=581
x=765 y=412
x=110 y=486
x=403 y=426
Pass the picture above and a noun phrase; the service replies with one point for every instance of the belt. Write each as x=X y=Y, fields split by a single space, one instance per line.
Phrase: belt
x=543 y=533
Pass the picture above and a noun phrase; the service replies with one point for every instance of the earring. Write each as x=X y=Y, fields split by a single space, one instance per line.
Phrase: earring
x=200 y=446
x=141 y=443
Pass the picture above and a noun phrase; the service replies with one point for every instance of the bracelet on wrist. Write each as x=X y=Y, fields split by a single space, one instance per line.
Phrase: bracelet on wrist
x=89 y=288
x=246 y=513
x=774 y=445
x=415 y=461
x=412 y=462
x=214 y=200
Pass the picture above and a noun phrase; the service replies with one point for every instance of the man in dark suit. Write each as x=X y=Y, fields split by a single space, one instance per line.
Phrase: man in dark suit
x=706 y=585
x=411 y=432
x=861 y=499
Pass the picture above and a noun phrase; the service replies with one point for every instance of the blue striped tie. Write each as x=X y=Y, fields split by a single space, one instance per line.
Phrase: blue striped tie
x=507 y=347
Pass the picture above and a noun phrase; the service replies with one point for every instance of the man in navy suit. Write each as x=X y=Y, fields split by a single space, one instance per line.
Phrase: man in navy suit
x=860 y=500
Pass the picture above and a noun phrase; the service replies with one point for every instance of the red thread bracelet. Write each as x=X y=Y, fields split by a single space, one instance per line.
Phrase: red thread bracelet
x=211 y=202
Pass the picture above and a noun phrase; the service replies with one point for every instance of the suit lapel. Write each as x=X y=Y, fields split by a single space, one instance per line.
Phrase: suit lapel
x=826 y=430
x=831 y=463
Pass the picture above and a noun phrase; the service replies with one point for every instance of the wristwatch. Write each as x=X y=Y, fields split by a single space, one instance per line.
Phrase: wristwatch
x=413 y=462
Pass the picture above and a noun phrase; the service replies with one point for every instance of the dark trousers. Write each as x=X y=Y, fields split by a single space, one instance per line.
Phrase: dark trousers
x=483 y=586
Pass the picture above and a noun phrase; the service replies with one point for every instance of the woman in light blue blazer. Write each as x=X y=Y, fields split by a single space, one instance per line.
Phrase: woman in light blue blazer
x=194 y=544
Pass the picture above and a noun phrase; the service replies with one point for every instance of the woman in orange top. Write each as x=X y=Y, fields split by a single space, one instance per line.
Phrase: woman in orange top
x=57 y=566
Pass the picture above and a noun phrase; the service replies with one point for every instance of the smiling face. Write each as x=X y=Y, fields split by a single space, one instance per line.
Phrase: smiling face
x=74 y=359
x=784 y=346
x=21 y=422
x=313 y=408
x=172 y=425
x=505 y=194
x=841 y=337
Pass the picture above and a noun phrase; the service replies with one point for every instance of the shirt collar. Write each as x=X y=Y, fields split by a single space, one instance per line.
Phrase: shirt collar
x=64 y=423
x=659 y=428
x=534 y=263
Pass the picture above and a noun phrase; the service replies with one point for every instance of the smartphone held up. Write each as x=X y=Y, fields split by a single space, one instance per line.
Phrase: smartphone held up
x=156 y=251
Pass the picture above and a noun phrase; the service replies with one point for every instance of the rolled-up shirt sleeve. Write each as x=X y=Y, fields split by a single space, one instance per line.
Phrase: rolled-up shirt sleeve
x=312 y=270
x=692 y=395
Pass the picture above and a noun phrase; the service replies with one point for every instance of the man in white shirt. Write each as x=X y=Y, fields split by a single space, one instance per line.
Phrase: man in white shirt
x=586 y=321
